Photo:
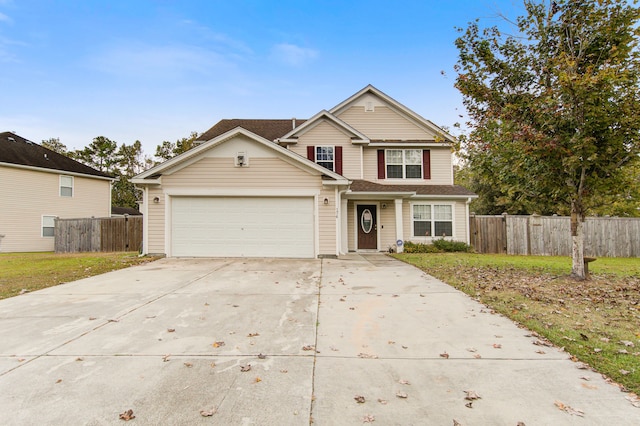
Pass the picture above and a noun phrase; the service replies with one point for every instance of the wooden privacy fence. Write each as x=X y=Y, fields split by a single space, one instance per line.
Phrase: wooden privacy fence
x=98 y=234
x=551 y=235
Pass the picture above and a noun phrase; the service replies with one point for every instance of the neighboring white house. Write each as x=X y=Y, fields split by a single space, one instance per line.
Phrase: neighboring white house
x=39 y=185
x=366 y=175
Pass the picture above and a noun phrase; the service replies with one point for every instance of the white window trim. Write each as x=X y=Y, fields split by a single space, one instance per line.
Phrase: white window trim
x=42 y=225
x=333 y=154
x=425 y=239
x=60 y=186
x=404 y=164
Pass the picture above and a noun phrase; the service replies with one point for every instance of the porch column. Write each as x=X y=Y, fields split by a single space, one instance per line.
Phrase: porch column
x=344 y=221
x=399 y=231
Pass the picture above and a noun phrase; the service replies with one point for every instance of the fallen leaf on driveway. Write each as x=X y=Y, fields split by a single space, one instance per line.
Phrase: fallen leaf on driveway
x=261 y=356
x=472 y=350
x=245 y=368
x=404 y=382
x=471 y=395
x=308 y=348
x=208 y=413
x=497 y=345
x=359 y=399
x=217 y=344
x=363 y=355
x=382 y=401
x=59 y=381
x=444 y=355
x=257 y=380
x=79 y=359
x=402 y=395
x=92 y=318
x=540 y=352
x=368 y=419
x=253 y=334
x=469 y=404
x=188 y=364
x=477 y=356
x=568 y=409
x=171 y=330
x=456 y=423
x=127 y=415
x=633 y=399
x=166 y=358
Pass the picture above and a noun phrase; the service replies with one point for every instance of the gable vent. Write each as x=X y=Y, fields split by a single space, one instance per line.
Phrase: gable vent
x=241 y=159
x=368 y=106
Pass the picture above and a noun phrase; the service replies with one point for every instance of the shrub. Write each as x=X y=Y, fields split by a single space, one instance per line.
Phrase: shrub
x=451 y=246
x=410 y=247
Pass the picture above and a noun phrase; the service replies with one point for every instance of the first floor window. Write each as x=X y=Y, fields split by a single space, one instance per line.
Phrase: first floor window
x=324 y=157
x=66 y=186
x=48 y=223
x=432 y=220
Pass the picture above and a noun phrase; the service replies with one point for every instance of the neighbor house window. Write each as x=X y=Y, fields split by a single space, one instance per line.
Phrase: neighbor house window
x=66 y=186
x=48 y=223
x=432 y=220
x=325 y=157
x=404 y=163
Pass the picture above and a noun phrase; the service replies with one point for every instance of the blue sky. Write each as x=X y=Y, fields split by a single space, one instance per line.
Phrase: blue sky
x=154 y=70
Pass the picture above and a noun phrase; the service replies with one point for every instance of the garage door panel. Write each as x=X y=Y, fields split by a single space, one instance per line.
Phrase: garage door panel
x=243 y=227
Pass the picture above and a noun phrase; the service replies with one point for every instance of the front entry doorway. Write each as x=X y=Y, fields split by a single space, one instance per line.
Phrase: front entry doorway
x=367 y=227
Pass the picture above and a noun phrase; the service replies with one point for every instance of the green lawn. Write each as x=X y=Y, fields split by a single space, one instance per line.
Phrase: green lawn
x=596 y=321
x=21 y=272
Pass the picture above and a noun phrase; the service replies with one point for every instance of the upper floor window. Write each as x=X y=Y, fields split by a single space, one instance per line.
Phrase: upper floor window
x=66 y=186
x=325 y=157
x=404 y=163
x=432 y=220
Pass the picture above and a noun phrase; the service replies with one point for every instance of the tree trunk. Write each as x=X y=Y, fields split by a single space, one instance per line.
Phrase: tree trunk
x=577 y=239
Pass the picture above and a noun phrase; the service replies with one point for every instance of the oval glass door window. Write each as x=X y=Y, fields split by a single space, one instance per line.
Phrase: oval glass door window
x=366 y=221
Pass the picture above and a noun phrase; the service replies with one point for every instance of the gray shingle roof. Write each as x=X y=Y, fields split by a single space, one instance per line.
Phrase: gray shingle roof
x=454 y=190
x=268 y=128
x=15 y=149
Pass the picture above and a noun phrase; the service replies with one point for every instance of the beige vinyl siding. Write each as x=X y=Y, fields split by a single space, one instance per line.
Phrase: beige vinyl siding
x=387 y=225
x=27 y=195
x=325 y=134
x=220 y=173
x=383 y=123
x=155 y=220
x=441 y=167
x=327 y=222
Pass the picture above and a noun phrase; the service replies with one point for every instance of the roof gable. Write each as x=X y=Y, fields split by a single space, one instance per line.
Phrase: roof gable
x=200 y=151
x=395 y=106
x=17 y=150
x=323 y=115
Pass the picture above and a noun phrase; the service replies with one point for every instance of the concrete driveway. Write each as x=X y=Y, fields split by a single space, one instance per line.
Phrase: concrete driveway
x=282 y=342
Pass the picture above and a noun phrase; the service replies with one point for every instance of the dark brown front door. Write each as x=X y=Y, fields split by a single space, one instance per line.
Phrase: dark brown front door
x=367 y=227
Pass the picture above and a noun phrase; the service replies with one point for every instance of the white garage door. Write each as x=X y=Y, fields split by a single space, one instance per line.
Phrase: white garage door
x=242 y=227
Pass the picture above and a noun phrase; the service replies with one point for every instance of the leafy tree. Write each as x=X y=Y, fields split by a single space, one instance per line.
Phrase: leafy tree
x=167 y=150
x=55 y=145
x=554 y=107
x=100 y=154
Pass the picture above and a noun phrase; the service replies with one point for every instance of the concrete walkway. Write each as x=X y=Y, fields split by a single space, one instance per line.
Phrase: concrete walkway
x=280 y=342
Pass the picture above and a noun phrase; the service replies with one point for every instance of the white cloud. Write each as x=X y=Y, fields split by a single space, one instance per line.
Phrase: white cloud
x=144 y=60
x=293 y=55
x=4 y=18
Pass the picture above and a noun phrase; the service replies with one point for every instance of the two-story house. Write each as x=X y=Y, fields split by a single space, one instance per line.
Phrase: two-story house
x=366 y=175
x=39 y=185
